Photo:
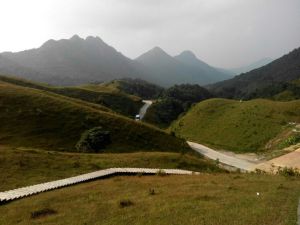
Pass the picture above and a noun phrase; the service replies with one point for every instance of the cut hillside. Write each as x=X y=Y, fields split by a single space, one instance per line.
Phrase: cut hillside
x=246 y=126
x=119 y=102
x=262 y=82
x=40 y=119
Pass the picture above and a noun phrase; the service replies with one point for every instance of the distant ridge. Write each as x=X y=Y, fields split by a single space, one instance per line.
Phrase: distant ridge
x=184 y=68
x=261 y=82
x=69 y=62
x=252 y=66
x=77 y=61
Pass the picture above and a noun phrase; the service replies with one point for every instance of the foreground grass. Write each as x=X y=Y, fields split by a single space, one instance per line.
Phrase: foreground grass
x=237 y=126
x=207 y=199
x=20 y=168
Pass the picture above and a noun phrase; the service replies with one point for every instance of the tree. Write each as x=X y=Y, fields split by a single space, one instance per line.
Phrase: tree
x=93 y=140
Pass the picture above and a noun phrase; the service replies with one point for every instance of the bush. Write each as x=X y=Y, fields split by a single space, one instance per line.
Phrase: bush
x=290 y=141
x=288 y=172
x=42 y=213
x=125 y=203
x=93 y=140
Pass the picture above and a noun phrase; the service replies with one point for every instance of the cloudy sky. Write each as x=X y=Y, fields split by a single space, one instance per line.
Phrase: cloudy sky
x=224 y=33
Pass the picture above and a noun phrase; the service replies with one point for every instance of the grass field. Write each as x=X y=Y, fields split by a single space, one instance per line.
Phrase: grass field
x=22 y=167
x=207 y=199
x=237 y=126
x=40 y=119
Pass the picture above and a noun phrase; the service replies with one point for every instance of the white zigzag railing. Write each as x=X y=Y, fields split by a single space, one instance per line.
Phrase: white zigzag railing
x=35 y=189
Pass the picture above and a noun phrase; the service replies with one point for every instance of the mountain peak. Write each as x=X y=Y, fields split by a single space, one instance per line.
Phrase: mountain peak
x=188 y=53
x=76 y=38
x=157 y=50
x=155 y=53
x=92 y=38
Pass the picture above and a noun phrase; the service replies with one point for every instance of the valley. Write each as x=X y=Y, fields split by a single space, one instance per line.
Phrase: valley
x=81 y=120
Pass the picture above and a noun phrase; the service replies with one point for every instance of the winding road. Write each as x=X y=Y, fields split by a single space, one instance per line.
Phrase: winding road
x=233 y=161
x=143 y=110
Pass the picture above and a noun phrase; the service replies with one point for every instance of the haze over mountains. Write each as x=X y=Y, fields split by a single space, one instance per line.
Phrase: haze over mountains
x=184 y=68
x=252 y=66
x=262 y=82
x=75 y=61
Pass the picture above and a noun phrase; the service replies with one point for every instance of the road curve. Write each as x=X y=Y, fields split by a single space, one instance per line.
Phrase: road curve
x=208 y=152
x=225 y=159
x=143 y=110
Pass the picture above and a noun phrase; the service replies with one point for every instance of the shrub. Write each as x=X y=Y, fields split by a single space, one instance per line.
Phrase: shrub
x=42 y=213
x=161 y=173
x=290 y=141
x=125 y=203
x=288 y=172
x=151 y=191
x=93 y=140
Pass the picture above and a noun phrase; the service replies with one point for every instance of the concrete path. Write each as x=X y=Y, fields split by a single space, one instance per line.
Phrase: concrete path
x=223 y=158
x=144 y=109
x=35 y=189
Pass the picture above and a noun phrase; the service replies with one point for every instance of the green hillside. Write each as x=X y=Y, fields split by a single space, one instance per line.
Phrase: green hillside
x=263 y=82
x=41 y=119
x=122 y=103
x=238 y=126
x=23 y=167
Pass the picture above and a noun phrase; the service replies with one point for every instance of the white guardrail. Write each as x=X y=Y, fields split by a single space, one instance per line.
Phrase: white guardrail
x=35 y=189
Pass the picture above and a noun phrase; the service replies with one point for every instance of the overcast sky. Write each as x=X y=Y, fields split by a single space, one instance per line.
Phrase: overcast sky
x=224 y=33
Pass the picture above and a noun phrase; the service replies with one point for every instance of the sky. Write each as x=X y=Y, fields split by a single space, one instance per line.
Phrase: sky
x=223 y=33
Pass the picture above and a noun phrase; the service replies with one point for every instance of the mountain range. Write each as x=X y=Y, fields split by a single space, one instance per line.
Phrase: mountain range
x=252 y=66
x=266 y=81
x=76 y=60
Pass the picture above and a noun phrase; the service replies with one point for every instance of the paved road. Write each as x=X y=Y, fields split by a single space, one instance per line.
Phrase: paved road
x=223 y=158
x=145 y=107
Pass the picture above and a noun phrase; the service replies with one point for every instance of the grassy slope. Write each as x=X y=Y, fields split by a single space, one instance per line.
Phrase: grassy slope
x=120 y=102
x=238 y=126
x=41 y=119
x=22 y=167
x=207 y=199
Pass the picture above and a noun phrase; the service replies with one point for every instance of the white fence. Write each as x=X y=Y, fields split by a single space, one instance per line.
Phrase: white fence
x=35 y=189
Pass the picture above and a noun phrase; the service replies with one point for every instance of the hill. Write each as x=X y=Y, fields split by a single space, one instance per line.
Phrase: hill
x=185 y=68
x=41 y=119
x=23 y=167
x=114 y=99
x=259 y=82
x=248 y=126
x=136 y=87
x=71 y=61
x=250 y=67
